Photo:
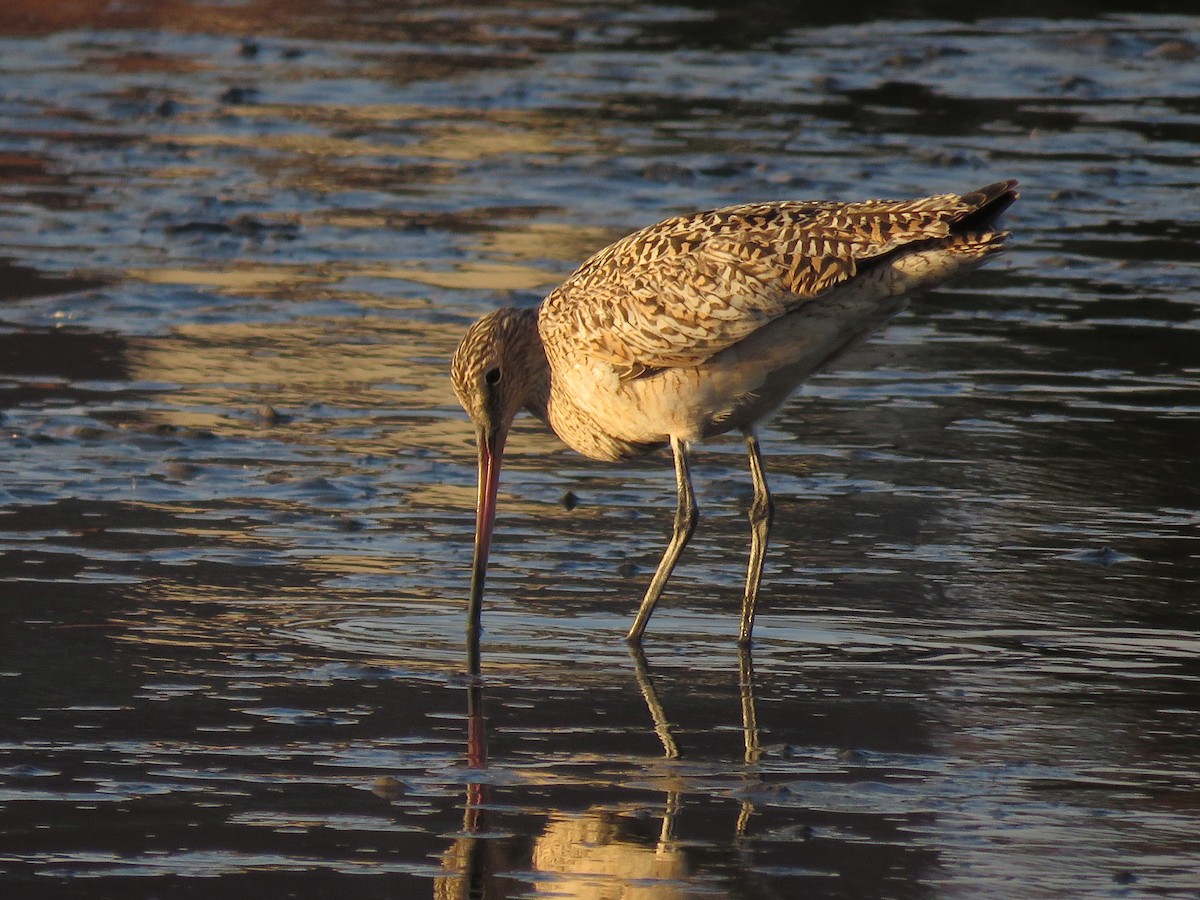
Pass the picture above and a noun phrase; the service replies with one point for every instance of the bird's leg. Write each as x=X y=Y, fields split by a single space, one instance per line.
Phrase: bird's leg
x=762 y=513
x=686 y=515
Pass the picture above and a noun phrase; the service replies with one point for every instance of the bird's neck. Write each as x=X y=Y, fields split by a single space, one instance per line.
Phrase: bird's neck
x=537 y=375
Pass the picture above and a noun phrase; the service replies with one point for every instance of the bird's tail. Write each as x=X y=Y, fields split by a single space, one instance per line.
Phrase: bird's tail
x=986 y=205
x=972 y=239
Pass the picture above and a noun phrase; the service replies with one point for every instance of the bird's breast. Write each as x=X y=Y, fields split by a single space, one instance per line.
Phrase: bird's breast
x=600 y=413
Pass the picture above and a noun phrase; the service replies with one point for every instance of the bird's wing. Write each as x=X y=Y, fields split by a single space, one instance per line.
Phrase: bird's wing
x=678 y=292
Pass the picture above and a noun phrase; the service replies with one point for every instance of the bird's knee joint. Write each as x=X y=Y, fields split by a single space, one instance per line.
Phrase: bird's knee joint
x=762 y=512
x=686 y=518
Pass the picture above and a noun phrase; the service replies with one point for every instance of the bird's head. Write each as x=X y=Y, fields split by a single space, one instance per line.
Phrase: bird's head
x=498 y=368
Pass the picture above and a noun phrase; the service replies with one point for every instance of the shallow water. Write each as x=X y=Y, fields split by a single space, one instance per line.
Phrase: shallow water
x=237 y=246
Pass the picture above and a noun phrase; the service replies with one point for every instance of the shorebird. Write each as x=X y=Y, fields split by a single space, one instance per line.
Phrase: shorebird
x=701 y=325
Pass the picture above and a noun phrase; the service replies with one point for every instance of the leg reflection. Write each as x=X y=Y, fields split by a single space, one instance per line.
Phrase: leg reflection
x=749 y=727
x=749 y=715
x=610 y=846
x=661 y=726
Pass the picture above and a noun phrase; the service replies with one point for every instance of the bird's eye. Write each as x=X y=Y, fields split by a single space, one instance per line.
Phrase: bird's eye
x=492 y=376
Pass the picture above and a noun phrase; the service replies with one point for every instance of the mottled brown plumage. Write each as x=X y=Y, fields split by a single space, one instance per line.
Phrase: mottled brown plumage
x=704 y=324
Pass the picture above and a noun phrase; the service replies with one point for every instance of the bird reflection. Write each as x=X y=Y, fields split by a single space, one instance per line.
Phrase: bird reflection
x=590 y=855
x=477 y=863
x=662 y=726
x=749 y=728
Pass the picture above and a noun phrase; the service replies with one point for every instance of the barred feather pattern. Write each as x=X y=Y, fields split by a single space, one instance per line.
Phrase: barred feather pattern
x=679 y=292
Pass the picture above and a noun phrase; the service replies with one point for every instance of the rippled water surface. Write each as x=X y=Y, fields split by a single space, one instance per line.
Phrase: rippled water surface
x=238 y=243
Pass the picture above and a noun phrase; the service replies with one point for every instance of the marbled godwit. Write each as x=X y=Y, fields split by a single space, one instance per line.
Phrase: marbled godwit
x=700 y=325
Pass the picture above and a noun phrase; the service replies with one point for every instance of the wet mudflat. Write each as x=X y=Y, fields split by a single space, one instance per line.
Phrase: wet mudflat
x=238 y=244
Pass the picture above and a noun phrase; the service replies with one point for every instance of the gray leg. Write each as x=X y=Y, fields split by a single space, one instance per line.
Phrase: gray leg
x=686 y=515
x=762 y=513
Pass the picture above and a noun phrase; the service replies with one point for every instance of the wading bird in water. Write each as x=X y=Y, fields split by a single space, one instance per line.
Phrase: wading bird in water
x=701 y=325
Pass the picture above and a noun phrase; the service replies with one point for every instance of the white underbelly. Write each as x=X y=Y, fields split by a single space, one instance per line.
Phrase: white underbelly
x=735 y=389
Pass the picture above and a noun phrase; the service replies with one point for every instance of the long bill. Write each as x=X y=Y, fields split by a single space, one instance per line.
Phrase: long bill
x=491 y=453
